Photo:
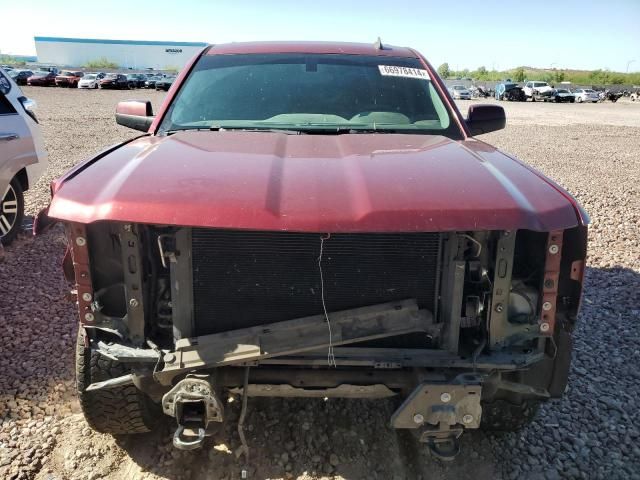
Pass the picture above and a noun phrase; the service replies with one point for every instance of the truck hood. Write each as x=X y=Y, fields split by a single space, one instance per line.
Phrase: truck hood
x=321 y=183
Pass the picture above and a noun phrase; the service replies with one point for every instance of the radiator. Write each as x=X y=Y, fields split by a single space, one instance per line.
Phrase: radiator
x=246 y=278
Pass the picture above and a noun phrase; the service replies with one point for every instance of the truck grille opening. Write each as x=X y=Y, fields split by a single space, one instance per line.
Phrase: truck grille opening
x=246 y=278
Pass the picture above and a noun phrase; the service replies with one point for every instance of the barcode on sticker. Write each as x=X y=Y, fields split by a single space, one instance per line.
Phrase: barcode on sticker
x=407 y=72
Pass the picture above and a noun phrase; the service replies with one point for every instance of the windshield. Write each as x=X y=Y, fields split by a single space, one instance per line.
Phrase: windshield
x=40 y=73
x=66 y=73
x=111 y=75
x=458 y=87
x=90 y=77
x=306 y=92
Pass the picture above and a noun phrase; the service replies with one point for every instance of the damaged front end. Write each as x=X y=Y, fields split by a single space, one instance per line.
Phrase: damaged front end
x=451 y=322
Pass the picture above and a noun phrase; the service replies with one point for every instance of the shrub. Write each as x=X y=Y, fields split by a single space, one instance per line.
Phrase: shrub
x=102 y=62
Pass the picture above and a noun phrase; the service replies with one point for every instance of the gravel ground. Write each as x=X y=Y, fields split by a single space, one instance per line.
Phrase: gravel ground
x=593 y=432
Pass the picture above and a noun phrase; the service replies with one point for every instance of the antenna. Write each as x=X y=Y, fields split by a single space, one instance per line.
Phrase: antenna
x=378 y=44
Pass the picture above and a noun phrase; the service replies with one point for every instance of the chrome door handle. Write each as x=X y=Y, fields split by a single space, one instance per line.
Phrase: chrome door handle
x=7 y=137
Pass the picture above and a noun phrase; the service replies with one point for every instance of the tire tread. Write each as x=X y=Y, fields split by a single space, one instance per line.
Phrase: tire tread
x=120 y=410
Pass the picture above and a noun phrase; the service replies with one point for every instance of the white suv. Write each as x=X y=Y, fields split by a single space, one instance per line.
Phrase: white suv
x=541 y=87
x=23 y=157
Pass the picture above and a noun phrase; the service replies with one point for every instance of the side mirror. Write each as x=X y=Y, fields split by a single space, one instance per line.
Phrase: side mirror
x=485 y=118
x=136 y=114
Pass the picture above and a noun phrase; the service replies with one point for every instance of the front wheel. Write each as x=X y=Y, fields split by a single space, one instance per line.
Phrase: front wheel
x=11 y=212
x=118 y=410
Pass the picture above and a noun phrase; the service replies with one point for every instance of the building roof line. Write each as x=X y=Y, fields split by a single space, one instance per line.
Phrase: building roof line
x=119 y=42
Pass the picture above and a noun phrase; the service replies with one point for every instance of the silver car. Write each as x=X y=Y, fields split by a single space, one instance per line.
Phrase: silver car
x=23 y=157
x=585 y=95
x=460 y=92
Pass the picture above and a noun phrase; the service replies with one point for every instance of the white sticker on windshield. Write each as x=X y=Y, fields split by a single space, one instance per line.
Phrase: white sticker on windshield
x=407 y=72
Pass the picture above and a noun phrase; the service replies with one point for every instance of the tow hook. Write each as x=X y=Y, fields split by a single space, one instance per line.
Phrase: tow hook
x=441 y=412
x=196 y=408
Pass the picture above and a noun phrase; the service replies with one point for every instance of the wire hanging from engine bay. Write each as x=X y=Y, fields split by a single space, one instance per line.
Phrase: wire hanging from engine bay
x=331 y=359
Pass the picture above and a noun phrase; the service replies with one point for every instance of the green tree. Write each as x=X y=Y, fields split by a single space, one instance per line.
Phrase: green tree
x=617 y=79
x=444 y=71
x=481 y=73
x=559 y=76
x=519 y=74
x=9 y=60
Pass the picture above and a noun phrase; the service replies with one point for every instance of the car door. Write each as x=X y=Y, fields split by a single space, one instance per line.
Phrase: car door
x=17 y=148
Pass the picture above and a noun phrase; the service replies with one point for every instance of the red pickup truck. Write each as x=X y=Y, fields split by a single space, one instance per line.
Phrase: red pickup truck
x=317 y=220
x=68 y=78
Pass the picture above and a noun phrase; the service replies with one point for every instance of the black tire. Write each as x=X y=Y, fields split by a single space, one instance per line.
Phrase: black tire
x=503 y=416
x=120 y=410
x=10 y=220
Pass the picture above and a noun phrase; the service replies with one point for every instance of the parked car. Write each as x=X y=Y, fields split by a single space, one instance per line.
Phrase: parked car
x=136 y=80
x=554 y=95
x=509 y=91
x=51 y=69
x=540 y=87
x=460 y=92
x=23 y=157
x=90 y=80
x=585 y=95
x=42 y=78
x=114 y=81
x=165 y=83
x=612 y=96
x=69 y=78
x=353 y=240
x=20 y=76
x=151 y=81
x=480 y=92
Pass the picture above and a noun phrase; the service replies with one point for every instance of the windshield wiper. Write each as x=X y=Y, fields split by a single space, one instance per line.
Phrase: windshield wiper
x=216 y=128
x=349 y=130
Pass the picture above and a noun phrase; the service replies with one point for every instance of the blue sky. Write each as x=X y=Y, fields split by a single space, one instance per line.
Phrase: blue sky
x=496 y=34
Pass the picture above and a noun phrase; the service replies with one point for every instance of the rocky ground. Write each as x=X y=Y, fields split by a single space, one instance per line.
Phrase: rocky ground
x=593 y=432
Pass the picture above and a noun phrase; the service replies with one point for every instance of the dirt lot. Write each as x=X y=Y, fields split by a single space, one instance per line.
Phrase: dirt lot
x=593 y=432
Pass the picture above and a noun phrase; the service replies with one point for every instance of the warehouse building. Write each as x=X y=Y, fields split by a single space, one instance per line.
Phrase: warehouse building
x=135 y=54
